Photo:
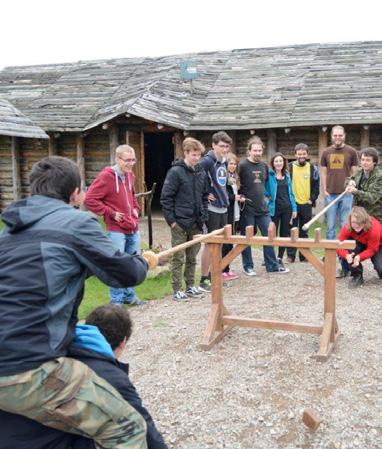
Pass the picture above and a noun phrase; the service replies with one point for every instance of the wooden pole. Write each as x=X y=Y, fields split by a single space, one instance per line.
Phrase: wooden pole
x=113 y=141
x=178 y=139
x=80 y=146
x=16 y=175
x=323 y=211
x=271 y=143
x=365 y=137
x=52 y=145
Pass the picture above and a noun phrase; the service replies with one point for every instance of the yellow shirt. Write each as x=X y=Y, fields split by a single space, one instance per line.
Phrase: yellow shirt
x=301 y=183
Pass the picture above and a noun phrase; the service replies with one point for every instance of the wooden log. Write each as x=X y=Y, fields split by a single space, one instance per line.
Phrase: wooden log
x=113 y=141
x=16 y=177
x=271 y=143
x=365 y=137
x=153 y=259
x=80 y=147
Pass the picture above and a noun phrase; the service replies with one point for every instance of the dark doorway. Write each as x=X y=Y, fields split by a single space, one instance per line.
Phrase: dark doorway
x=159 y=154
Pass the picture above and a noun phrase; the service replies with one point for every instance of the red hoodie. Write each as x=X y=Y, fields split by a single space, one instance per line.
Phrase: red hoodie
x=109 y=194
x=371 y=238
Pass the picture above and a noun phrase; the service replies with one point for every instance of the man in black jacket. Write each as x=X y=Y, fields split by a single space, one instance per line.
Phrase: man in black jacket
x=306 y=188
x=98 y=344
x=184 y=200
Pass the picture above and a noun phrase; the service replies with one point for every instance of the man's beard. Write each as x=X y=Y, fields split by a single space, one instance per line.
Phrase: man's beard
x=301 y=162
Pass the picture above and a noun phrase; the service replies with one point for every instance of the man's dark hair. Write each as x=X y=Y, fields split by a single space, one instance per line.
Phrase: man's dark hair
x=221 y=136
x=371 y=152
x=113 y=321
x=55 y=177
x=301 y=146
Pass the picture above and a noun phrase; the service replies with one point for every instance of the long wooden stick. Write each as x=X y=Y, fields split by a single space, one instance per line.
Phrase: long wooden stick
x=153 y=258
x=321 y=213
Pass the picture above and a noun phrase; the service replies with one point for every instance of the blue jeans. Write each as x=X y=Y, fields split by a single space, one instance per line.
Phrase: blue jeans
x=340 y=210
x=130 y=244
x=262 y=222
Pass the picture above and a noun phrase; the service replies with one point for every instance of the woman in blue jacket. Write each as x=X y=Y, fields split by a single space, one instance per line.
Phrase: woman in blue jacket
x=282 y=204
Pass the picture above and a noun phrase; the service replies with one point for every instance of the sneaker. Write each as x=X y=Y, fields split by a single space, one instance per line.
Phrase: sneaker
x=280 y=261
x=280 y=270
x=356 y=281
x=134 y=302
x=229 y=276
x=341 y=273
x=180 y=296
x=194 y=292
x=205 y=286
x=249 y=271
x=291 y=259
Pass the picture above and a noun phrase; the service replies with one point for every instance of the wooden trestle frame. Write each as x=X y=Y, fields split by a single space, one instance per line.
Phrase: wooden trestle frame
x=220 y=321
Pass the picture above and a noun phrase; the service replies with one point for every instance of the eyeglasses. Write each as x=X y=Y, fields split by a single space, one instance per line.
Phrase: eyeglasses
x=127 y=160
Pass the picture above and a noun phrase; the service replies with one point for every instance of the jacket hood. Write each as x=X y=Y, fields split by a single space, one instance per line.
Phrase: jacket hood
x=24 y=213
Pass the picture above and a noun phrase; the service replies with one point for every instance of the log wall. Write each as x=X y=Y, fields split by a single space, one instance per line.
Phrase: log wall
x=97 y=149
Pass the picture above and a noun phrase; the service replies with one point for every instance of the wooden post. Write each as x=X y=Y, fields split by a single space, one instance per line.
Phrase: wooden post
x=52 y=145
x=136 y=140
x=113 y=141
x=16 y=176
x=365 y=137
x=234 y=145
x=80 y=145
x=178 y=139
x=271 y=143
x=322 y=141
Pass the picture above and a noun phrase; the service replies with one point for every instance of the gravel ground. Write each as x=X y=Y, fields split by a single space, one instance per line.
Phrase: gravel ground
x=250 y=390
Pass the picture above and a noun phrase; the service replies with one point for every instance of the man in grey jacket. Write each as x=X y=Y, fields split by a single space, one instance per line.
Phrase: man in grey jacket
x=47 y=250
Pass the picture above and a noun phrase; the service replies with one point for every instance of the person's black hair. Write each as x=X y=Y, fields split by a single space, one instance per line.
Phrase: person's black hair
x=113 y=321
x=55 y=177
x=371 y=152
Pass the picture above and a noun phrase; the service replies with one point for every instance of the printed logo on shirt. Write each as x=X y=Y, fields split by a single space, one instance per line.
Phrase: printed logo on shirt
x=306 y=176
x=257 y=179
x=336 y=161
x=221 y=176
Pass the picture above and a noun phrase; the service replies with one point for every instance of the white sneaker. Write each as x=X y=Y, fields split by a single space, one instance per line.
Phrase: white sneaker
x=249 y=271
x=180 y=296
x=194 y=292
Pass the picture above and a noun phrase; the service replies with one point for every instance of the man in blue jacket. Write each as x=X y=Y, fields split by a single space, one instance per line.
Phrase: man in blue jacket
x=98 y=343
x=47 y=250
x=215 y=165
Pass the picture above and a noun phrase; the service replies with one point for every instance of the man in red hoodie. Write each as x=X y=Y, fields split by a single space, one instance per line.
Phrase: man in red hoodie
x=112 y=196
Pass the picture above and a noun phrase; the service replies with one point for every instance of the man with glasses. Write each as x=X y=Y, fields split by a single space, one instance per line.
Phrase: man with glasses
x=112 y=196
x=215 y=165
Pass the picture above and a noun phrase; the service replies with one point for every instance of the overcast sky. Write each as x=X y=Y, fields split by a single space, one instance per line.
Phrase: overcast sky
x=41 y=31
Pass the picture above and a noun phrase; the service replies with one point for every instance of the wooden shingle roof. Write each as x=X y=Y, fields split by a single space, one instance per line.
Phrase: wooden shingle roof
x=301 y=85
x=14 y=123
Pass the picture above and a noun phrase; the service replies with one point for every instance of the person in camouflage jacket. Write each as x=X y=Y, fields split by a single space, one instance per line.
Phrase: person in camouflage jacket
x=366 y=184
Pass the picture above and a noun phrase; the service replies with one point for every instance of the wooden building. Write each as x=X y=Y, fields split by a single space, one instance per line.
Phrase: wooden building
x=20 y=146
x=285 y=95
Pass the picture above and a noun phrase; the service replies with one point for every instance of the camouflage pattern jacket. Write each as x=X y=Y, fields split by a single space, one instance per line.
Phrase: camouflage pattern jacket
x=369 y=191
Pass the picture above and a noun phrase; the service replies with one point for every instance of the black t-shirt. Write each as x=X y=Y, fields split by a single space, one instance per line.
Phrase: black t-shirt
x=282 y=197
x=253 y=176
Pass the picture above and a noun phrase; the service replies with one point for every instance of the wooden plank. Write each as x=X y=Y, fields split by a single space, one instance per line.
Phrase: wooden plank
x=271 y=143
x=52 y=145
x=271 y=324
x=325 y=337
x=228 y=258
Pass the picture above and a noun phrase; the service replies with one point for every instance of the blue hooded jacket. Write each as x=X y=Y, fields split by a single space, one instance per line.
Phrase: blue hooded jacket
x=271 y=192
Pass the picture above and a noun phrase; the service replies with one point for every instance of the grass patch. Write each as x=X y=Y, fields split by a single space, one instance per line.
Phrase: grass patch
x=97 y=293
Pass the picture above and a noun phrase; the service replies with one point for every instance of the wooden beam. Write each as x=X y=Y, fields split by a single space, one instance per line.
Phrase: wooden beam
x=233 y=136
x=271 y=324
x=16 y=173
x=113 y=141
x=365 y=137
x=178 y=150
x=80 y=149
x=52 y=145
x=271 y=143
x=322 y=141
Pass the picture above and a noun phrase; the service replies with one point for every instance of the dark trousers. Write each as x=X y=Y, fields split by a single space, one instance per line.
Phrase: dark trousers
x=281 y=219
x=304 y=214
x=376 y=261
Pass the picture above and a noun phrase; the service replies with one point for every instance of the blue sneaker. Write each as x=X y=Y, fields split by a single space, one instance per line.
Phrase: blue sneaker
x=249 y=271
x=133 y=302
